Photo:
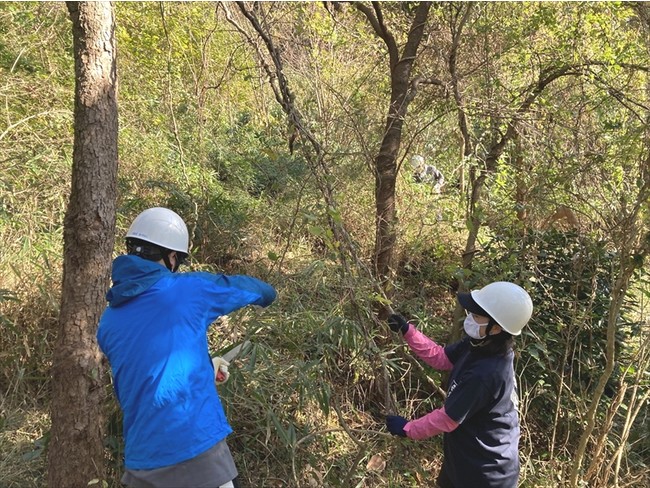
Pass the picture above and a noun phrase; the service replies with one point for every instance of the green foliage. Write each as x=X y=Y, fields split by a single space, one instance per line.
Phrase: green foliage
x=201 y=132
x=5 y=296
x=562 y=352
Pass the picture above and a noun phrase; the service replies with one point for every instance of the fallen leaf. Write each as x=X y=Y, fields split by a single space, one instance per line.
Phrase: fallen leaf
x=376 y=463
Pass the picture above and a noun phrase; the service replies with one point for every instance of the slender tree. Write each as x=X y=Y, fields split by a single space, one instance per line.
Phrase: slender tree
x=403 y=90
x=506 y=130
x=630 y=233
x=75 y=453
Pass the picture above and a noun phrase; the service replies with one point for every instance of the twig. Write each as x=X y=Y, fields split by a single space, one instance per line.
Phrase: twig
x=324 y=432
x=170 y=94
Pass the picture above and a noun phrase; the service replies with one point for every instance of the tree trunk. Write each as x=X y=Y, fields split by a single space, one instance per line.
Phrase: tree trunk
x=467 y=144
x=385 y=178
x=403 y=91
x=75 y=453
x=488 y=167
x=619 y=291
x=521 y=189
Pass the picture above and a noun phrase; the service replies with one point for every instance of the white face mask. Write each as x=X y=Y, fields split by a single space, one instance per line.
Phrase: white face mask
x=472 y=327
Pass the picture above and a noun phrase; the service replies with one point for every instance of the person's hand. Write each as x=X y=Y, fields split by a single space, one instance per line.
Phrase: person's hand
x=395 y=425
x=220 y=370
x=397 y=323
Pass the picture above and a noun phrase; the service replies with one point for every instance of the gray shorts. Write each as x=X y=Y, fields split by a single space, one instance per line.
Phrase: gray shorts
x=213 y=468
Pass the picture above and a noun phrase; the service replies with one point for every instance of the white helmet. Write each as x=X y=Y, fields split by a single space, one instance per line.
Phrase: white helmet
x=417 y=161
x=508 y=304
x=162 y=227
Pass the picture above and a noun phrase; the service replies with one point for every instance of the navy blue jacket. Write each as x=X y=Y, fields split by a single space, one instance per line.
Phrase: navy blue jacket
x=483 y=451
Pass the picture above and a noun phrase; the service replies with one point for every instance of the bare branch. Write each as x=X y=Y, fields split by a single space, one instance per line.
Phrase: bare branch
x=421 y=80
x=453 y=64
x=284 y=95
x=376 y=19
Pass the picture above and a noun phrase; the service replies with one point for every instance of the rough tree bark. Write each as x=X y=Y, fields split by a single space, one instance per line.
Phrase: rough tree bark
x=403 y=90
x=75 y=453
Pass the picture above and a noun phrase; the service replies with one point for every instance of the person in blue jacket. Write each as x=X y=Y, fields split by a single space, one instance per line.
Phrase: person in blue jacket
x=154 y=334
x=479 y=418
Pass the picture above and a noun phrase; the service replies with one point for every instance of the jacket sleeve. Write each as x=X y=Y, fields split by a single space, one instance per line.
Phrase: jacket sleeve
x=427 y=350
x=431 y=424
x=229 y=293
x=266 y=292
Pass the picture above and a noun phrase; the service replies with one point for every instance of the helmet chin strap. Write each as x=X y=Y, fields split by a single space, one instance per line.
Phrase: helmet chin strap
x=484 y=341
x=490 y=324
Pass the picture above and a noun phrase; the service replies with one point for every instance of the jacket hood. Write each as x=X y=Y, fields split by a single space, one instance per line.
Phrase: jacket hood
x=132 y=276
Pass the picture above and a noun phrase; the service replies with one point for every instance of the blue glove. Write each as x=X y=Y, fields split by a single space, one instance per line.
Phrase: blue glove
x=397 y=323
x=395 y=425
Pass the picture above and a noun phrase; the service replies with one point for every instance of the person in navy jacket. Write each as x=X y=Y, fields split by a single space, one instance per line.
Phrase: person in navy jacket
x=154 y=334
x=479 y=418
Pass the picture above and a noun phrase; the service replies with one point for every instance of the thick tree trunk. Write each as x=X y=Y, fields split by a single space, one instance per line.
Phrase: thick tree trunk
x=75 y=454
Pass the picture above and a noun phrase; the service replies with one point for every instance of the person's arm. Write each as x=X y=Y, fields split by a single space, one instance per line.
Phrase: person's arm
x=229 y=293
x=431 y=424
x=426 y=349
x=266 y=292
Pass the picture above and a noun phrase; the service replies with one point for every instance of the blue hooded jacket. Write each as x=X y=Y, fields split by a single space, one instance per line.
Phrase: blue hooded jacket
x=154 y=333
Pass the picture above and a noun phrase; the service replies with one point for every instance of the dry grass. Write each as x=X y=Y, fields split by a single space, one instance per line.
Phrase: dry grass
x=23 y=424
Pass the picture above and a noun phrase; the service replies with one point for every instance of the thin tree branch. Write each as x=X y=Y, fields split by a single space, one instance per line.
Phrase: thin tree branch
x=376 y=19
x=170 y=94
